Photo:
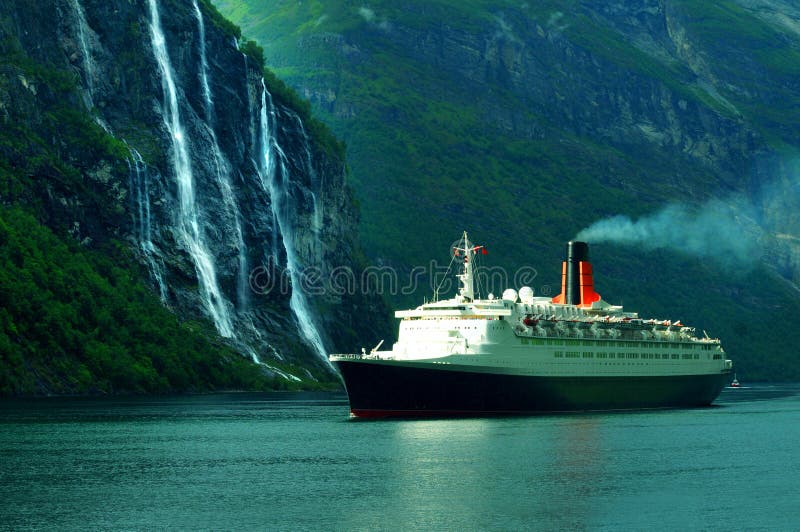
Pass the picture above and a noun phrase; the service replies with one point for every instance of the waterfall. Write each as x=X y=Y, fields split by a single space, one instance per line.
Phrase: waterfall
x=201 y=30
x=251 y=104
x=140 y=197
x=317 y=218
x=274 y=180
x=88 y=64
x=222 y=168
x=189 y=227
x=222 y=172
x=267 y=164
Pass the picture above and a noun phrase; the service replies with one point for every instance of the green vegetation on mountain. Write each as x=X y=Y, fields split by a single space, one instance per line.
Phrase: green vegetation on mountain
x=77 y=322
x=524 y=122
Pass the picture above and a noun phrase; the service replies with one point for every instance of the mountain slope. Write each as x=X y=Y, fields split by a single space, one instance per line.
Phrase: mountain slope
x=524 y=123
x=144 y=144
x=76 y=322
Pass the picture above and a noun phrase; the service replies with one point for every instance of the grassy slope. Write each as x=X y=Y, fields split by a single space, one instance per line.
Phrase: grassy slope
x=425 y=166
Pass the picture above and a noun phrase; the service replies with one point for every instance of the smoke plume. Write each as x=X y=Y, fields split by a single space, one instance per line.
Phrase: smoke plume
x=723 y=231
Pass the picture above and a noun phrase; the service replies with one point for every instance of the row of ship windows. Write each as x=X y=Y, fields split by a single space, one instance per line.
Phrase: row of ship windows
x=457 y=328
x=615 y=343
x=647 y=356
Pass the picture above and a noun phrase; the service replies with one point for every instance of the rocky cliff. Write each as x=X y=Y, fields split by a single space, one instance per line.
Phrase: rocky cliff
x=234 y=203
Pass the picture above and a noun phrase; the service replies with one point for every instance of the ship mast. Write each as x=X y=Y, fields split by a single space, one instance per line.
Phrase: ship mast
x=466 y=292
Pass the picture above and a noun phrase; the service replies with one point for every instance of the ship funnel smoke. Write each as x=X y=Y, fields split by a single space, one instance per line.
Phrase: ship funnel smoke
x=725 y=232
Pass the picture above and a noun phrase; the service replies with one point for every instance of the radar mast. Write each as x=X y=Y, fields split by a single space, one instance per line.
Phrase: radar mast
x=467 y=291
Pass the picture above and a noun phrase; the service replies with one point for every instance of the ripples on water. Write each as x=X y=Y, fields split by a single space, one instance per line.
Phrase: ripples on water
x=295 y=461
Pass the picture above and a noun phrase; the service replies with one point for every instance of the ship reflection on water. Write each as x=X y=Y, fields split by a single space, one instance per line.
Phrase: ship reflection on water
x=483 y=469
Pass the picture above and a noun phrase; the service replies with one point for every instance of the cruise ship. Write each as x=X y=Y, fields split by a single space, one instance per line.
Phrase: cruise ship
x=520 y=353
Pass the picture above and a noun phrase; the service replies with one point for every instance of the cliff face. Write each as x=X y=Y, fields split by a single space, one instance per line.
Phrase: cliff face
x=235 y=211
x=650 y=76
x=601 y=70
x=626 y=74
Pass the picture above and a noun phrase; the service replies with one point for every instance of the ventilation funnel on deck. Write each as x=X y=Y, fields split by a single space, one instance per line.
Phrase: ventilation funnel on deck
x=577 y=283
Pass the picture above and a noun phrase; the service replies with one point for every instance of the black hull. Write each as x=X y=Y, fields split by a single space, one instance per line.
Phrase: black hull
x=380 y=389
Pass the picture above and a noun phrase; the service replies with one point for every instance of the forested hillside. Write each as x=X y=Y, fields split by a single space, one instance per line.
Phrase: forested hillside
x=78 y=322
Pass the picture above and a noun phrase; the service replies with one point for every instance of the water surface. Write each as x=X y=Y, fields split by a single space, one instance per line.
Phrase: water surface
x=296 y=461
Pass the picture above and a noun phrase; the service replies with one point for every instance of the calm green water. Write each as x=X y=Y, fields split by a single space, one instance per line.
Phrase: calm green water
x=295 y=461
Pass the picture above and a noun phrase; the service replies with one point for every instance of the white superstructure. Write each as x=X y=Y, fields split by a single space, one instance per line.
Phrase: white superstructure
x=519 y=334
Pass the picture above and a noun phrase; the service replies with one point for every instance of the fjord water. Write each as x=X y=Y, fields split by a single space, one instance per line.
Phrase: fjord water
x=296 y=461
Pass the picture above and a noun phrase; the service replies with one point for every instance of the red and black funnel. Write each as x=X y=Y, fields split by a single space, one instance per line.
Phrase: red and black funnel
x=577 y=283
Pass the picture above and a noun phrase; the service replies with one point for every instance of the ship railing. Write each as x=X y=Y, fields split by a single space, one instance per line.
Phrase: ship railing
x=361 y=356
x=608 y=333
